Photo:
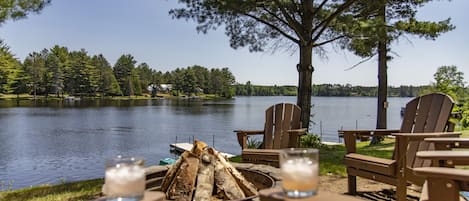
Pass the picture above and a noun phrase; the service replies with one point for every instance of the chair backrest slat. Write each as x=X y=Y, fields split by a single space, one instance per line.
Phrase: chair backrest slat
x=268 y=128
x=428 y=113
x=422 y=114
x=286 y=125
x=279 y=112
x=279 y=119
x=409 y=116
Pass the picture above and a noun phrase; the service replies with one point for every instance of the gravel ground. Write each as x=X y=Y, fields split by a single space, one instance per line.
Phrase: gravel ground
x=367 y=189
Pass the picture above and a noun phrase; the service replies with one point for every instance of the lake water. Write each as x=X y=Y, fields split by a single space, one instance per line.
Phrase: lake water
x=52 y=142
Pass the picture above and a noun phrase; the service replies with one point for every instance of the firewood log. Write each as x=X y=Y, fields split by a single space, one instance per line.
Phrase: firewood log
x=172 y=172
x=182 y=186
x=248 y=188
x=198 y=148
x=227 y=188
x=205 y=178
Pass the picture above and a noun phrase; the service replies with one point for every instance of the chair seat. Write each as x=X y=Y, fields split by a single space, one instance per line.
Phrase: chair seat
x=370 y=164
x=261 y=156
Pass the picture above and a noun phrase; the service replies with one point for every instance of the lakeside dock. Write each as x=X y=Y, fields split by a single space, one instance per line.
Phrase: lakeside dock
x=184 y=146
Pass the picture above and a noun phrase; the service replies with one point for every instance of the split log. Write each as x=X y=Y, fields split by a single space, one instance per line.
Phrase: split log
x=169 y=177
x=203 y=174
x=205 y=178
x=182 y=186
x=198 y=148
x=248 y=188
x=227 y=188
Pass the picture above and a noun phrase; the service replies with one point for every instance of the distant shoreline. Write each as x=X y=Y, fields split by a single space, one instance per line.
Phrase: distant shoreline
x=23 y=97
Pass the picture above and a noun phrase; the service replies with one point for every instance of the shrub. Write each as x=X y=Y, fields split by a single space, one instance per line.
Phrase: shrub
x=311 y=141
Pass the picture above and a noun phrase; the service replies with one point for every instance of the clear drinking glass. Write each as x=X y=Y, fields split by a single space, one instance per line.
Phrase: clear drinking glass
x=124 y=179
x=299 y=168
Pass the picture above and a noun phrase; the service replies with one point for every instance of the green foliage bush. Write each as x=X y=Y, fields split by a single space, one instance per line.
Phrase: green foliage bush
x=254 y=143
x=311 y=141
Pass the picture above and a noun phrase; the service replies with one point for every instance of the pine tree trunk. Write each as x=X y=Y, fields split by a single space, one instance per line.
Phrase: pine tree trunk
x=381 y=121
x=305 y=73
x=382 y=87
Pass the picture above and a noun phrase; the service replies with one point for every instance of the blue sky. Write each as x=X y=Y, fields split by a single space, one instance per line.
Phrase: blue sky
x=144 y=29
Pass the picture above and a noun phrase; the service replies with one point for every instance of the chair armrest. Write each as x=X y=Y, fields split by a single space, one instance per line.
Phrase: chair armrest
x=422 y=136
x=250 y=132
x=372 y=132
x=351 y=136
x=242 y=136
x=294 y=136
x=447 y=143
x=445 y=158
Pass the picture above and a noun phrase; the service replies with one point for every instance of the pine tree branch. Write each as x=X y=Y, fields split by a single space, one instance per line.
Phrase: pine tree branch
x=292 y=23
x=273 y=27
x=362 y=61
x=328 y=41
x=323 y=25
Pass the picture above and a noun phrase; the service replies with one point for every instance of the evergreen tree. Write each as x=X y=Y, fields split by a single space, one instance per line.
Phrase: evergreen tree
x=10 y=69
x=107 y=83
x=145 y=75
x=84 y=77
x=17 y=9
x=123 y=73
x=387 y=21
x=35 y=67
x=61 y=71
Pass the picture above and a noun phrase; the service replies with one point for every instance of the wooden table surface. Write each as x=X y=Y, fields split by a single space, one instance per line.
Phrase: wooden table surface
x=276 y=194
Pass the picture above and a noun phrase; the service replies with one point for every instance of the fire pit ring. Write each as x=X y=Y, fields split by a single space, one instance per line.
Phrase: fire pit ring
x=154 y=179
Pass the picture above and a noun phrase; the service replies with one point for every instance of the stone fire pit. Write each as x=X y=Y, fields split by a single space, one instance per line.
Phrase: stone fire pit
x=262 y=176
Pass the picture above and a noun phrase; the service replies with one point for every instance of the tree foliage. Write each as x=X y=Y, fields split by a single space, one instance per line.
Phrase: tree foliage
x=60 y=71
x=385 y=22
x=399 y=20
x=18 y=9
x=449 y=80
x=10 y=69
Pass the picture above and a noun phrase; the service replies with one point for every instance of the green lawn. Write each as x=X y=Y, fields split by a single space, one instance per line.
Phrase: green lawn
x=83 y=190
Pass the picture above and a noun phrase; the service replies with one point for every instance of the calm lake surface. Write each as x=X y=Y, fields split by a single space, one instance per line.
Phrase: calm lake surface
x=52 y=142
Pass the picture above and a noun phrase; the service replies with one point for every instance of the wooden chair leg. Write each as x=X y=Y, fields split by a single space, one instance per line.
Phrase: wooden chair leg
x=352 y=185
x=401 y=190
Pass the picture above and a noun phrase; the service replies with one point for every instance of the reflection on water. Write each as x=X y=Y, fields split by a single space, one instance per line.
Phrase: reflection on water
x=51 y=141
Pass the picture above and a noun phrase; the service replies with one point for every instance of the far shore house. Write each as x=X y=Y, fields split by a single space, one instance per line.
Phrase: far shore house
x=166 y=88
x=163 y=88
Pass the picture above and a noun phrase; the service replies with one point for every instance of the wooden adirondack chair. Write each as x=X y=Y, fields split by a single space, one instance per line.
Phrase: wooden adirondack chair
x=282 y=129
x=443 y=182
x=425 y=116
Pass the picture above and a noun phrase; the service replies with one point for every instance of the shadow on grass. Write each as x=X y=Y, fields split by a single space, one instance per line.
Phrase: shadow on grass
x=332 y=157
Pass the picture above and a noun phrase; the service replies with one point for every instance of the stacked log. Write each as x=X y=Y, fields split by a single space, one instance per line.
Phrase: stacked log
x=205 y=175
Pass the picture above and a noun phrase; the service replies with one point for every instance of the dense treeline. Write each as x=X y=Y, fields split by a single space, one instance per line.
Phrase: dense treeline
x=349 y=90
x=256 y=90
x=58 y=71
x=326 y=90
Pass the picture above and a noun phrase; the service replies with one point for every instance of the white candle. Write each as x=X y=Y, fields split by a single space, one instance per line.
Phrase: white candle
x=125 y=180
x=300 y=174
